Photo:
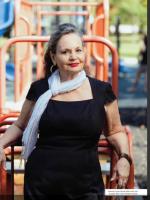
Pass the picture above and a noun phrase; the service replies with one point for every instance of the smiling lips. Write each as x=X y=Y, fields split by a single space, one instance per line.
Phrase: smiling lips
x=74 y=64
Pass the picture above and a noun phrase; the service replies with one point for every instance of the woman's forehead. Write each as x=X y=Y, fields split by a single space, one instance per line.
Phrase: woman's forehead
x=68 y=41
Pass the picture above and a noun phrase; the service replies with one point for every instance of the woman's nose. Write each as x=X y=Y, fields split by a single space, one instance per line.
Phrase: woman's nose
x=73 y=56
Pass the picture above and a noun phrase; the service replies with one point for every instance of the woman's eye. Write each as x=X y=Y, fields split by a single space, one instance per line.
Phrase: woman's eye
x=78 y=50
x=64 y=52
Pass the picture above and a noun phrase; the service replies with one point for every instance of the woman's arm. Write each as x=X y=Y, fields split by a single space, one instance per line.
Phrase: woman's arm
x=115 y=132
x=117 y=137
x=16 y=129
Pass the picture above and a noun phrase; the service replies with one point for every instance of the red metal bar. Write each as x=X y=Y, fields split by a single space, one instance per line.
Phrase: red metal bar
x=6 y=123
x=7 y=184
x=67 y=4
x=3 y=182
x=103 y=143
x=9 y=115
x=103 y=147
x=60 y=13
x=45 y=39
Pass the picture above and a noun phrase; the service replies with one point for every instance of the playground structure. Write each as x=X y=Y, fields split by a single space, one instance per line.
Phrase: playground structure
x=104 y=149
x=96 y=39
x=24 y=25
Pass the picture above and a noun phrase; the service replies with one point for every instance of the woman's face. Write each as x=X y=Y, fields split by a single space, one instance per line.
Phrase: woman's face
x=70 y=56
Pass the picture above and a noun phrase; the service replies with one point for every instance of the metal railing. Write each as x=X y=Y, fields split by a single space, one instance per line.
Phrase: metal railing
x=7 y=177
x=34 y=39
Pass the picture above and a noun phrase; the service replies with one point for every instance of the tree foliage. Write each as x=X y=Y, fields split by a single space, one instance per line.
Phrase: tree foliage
x=129 y=11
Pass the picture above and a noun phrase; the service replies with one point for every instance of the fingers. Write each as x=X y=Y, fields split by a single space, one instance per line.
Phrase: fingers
x=122 y=182
x=120 y=174
x=123 y=171
x=114 y=176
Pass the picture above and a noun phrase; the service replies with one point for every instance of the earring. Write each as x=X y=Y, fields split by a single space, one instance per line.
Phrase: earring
x=51 y=68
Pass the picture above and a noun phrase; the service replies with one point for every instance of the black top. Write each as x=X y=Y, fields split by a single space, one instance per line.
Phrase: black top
x=65 y=160
x=143 y=53
x=104 y=89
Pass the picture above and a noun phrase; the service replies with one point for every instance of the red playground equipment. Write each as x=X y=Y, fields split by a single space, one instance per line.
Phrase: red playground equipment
x=98 y=46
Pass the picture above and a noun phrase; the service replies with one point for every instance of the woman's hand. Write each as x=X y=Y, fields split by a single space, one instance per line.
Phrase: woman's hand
x=2 y=156
x=121 y=173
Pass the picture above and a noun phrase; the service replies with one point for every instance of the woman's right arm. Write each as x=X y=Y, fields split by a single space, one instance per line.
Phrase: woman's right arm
x=15 y=131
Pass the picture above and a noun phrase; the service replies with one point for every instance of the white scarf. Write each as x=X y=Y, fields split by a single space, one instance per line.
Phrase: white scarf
x=30 y=134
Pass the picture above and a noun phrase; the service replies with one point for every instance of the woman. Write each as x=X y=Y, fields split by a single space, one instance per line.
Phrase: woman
x=69 y=112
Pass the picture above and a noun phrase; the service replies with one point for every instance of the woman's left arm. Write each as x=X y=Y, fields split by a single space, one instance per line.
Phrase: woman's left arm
x=116 y=135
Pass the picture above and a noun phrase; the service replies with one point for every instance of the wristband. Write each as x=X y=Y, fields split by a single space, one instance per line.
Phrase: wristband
x=124 y=155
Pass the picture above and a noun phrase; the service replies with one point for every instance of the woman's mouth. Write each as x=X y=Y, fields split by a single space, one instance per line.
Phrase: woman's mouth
x=74 y=64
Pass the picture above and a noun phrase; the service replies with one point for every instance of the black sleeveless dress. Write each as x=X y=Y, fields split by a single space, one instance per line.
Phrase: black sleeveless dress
x=64 y=164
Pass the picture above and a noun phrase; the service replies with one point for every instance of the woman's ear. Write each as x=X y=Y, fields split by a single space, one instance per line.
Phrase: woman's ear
x=53 y=58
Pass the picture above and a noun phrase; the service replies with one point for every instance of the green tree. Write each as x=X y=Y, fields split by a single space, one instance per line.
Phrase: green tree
x=130 y=11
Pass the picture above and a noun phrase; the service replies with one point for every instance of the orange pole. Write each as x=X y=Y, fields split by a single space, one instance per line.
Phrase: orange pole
x=10 y=115
x=22 y=67
x=39 y=45
x=16 y=52
x=97 y=49
x=100 y=28
x=29 y=33
x=106 y=30
x=100 y=31
x=3 y=183
x=26 y=70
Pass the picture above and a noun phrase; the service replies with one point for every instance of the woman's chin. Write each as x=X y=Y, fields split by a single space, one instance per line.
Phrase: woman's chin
x=75 y=69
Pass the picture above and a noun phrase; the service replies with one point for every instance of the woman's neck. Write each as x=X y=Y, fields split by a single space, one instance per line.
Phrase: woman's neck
x=67 y=76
